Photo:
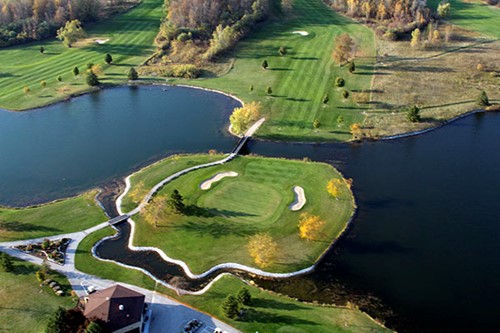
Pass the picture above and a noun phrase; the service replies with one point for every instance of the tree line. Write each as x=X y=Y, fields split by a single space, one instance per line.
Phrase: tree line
x=28 y=20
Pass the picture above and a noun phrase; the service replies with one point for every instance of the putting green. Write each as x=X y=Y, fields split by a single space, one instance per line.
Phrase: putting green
x=217 y=224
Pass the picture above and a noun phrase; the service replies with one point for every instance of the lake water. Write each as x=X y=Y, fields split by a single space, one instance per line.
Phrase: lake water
x=425 y=239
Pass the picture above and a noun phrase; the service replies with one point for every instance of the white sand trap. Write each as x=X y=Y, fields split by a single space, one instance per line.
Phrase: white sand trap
x=207 y=184
x=300 y=199
x=301 y=32
x=101 y=41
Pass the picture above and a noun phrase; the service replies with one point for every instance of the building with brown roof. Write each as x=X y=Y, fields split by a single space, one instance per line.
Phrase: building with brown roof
x=120 y=308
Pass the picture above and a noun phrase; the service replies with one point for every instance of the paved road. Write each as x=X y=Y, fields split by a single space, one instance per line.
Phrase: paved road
x=167 y=315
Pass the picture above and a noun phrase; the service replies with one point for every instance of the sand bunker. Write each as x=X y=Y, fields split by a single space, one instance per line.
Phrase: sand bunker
x=301 y=32
x=300 y=199
x=101 y=41
x=207 y=184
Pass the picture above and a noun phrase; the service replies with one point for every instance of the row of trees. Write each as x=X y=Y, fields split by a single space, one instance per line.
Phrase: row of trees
x=26 y=20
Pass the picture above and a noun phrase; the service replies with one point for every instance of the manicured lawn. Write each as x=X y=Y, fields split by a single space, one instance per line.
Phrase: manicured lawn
x=269 y=312
x=26 y=306
x=301 y=78
x=65 y=216
x=130 y=43
x=473 y=15
x=218 y=222
x=155 y=173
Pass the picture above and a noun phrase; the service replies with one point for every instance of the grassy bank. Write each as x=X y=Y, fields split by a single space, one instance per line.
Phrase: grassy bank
x=218 y=223
x=473 y=15
x=143 y=180
x=300 y=79
x=130 y=43
x=65 y=216
x=269 y=312
x=26 y=306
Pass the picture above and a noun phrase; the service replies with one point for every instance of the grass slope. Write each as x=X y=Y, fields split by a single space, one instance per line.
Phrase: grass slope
x=26 y=306
x=218 y=222
x=473 y=15
x=153 y=174
x=68 y=215
x=270 y=312
x=301 y=78
x=131 y=41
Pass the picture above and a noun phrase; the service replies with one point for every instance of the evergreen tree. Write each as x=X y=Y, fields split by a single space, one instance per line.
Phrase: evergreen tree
x=326 y=99
x=132 y=74
x=352 y=67
x=42 y=49
x=230 y=307
x=482 y=99
x=6 y=262
x=413 y=114
x=92 y=79
x=59 y=78
x=269 y=90
x=176 y=202
x=108 y=58
x=265 y=64
x=76 y=71
x=244 y=297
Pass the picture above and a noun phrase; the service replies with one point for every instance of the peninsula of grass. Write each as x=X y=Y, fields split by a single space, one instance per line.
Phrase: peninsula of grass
x=268 y=312
x=143 y=180
x=218 y=223
x=301 y=78
x=130 y=42
x=59 y=217
x=26 y=307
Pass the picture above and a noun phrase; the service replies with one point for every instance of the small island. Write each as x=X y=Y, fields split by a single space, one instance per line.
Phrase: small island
x=245 y=218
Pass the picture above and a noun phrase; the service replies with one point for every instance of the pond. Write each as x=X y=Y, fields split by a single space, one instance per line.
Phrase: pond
x=424 y=240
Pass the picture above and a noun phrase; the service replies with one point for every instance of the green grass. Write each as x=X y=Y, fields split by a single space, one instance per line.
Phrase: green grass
x=301 y=78
x=219 y=222
x=26 y=306
x=65 y=216
x=269 y=312
x=153 y=174
x=131 y=42
x=473 y=15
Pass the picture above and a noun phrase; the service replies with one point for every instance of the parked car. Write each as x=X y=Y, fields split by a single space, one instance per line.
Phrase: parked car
x=192 y=326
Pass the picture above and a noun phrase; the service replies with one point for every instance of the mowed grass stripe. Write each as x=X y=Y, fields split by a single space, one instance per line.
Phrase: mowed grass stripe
x=131 y=41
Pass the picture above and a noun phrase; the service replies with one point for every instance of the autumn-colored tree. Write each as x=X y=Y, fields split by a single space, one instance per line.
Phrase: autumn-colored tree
x=244 y=116
x=333 y=187
x=97 y=69
x=153 y=211
x=344 y=48
x=71 y=32
x=262 y=248
x=415 y=38
x=355 y=130
x=310 y=226
x=26 y=90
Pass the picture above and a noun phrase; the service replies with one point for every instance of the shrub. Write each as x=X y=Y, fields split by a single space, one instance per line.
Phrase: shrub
x=132 y=74
x=184 y=37
x=316 y=123
x=43 y=83
x=269 y=90
x=351 y=67
x=282 y=51
x=482 y=99
x=325 y=99
x=59 y=78
x=444 y=9
x=339 y=82
x=26 y=90
x=76 y=71
x=265 y=64
x=186 y=71
x=345 y=93
x=92 y=79
x=340 y=120
x=413 y=114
